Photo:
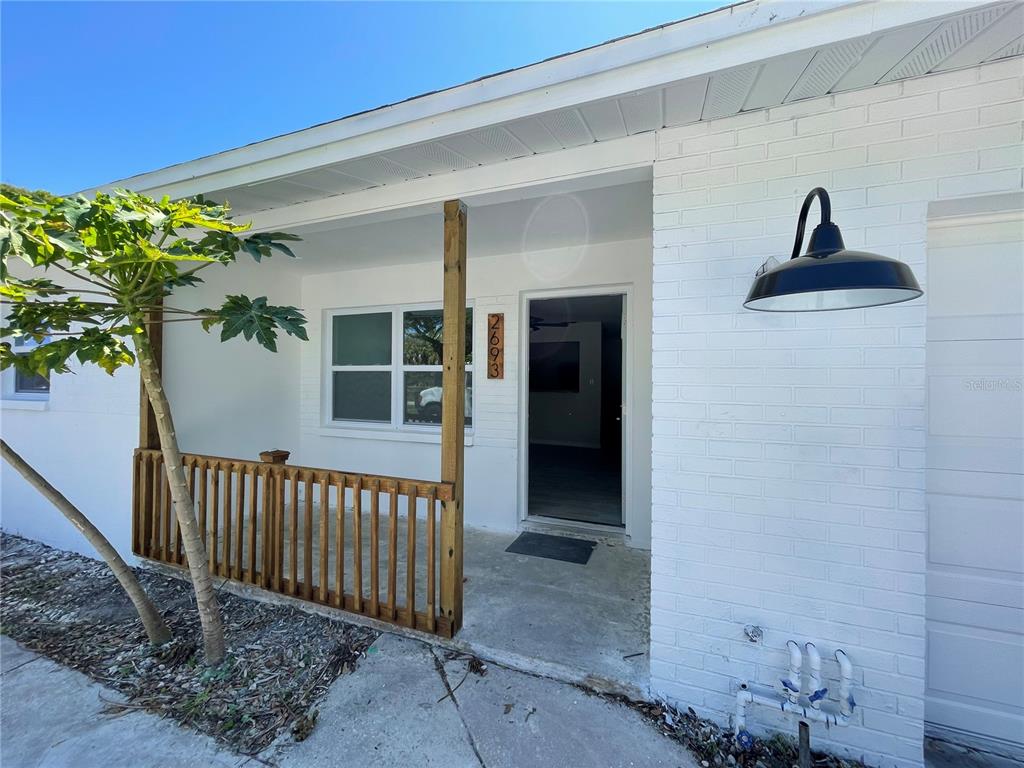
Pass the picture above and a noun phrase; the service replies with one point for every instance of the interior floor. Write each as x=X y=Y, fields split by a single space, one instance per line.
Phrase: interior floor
x=579 y=484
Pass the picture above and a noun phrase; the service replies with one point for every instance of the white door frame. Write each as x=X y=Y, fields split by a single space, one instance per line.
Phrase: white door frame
x=629 y=515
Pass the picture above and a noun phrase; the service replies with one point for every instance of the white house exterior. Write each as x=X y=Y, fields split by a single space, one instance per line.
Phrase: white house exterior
x=854 y=479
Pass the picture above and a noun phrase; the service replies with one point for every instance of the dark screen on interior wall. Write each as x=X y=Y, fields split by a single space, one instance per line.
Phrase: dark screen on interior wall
x=555 y=366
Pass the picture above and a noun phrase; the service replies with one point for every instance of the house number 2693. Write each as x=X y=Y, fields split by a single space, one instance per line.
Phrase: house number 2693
x=496 y=346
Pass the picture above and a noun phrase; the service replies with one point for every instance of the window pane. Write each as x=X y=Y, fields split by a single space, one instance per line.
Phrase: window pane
x=362 y=339
x=30 y=382
x=423 y=333
x=362 y=396
x=422 y=397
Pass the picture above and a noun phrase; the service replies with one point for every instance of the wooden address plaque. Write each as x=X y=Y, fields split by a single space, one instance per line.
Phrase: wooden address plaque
x=496 y=346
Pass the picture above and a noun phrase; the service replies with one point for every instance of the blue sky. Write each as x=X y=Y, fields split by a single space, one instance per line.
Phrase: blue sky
x=93 y=92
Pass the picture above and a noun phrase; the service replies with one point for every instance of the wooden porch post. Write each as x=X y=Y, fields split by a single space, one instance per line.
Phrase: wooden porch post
x=146 y=473
x=453 y=399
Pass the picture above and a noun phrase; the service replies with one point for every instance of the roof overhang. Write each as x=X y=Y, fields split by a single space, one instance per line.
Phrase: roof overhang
x=742 y=57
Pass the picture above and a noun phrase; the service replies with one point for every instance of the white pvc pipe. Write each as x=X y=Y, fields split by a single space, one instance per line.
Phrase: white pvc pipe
x=789 y=702
x=845 y=680
x=793 y=682
x=814 y=675
x=743 y=699
x=768 y=698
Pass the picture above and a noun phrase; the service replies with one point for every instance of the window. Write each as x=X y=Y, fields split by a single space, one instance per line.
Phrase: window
x=25 y=386
x=385 y=367
x=30 y=384
x=361 y=359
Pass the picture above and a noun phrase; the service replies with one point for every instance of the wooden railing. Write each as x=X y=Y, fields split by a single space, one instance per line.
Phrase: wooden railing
x=310 y=533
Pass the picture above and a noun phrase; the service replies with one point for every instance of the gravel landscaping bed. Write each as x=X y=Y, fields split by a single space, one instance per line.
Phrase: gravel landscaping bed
x=280 y=660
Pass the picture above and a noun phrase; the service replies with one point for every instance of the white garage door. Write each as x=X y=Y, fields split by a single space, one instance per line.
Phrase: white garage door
x=975 y=461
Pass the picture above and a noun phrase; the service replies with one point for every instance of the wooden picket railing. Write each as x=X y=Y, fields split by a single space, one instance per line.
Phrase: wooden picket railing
x=304 y=532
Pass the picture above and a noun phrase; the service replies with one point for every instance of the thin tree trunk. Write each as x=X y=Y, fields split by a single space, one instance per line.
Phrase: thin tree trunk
x=192 y=540
x=156 y=629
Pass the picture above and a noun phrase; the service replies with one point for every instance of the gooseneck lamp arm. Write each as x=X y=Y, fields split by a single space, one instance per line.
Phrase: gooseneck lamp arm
x=826 y=215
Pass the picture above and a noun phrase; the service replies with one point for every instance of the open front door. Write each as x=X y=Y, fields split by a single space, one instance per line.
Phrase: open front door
x=575 y=409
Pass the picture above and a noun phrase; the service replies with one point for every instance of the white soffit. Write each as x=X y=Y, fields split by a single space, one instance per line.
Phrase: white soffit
x=947 y=40
x=983 y=33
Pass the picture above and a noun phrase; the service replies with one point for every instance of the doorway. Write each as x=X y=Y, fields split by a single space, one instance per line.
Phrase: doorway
x=574 y=405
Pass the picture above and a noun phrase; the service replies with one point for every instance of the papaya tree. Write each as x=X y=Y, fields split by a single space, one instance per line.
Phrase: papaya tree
x=104 y=267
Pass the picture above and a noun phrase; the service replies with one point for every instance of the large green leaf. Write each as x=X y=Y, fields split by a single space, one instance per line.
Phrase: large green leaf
x=263 y=243
x=255 y=319
x=20 y=290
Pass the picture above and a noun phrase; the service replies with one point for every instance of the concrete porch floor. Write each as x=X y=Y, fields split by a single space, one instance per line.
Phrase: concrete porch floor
x=593 y=618
x=550 y=617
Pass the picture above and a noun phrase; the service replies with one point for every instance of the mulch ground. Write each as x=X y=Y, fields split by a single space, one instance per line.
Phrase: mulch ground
x=280 y=661
x=716 y=747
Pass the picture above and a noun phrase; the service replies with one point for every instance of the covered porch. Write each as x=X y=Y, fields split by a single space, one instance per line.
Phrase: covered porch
x=370 y=518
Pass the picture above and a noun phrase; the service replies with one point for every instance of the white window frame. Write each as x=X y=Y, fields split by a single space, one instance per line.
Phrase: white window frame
x=9 y=392
x=397 y=369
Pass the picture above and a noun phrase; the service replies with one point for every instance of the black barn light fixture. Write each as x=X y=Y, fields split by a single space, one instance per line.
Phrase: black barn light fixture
x=828 y=276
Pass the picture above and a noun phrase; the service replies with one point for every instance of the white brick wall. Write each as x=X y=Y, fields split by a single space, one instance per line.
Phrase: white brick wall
x=788 y=482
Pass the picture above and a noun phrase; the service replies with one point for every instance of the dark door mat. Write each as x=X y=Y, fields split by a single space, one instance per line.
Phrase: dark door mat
x=553 y=547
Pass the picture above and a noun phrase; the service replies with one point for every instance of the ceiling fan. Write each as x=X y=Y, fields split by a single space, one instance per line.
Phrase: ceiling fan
x=537 y=323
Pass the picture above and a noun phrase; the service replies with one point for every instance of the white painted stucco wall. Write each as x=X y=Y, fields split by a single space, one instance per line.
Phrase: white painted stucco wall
x=494 y=284
x=81 y=440
x=789 y=450
x=234 y=398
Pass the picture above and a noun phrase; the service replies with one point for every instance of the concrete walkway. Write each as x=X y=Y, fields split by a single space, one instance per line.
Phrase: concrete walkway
x=394 y=710
x=52 y=717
